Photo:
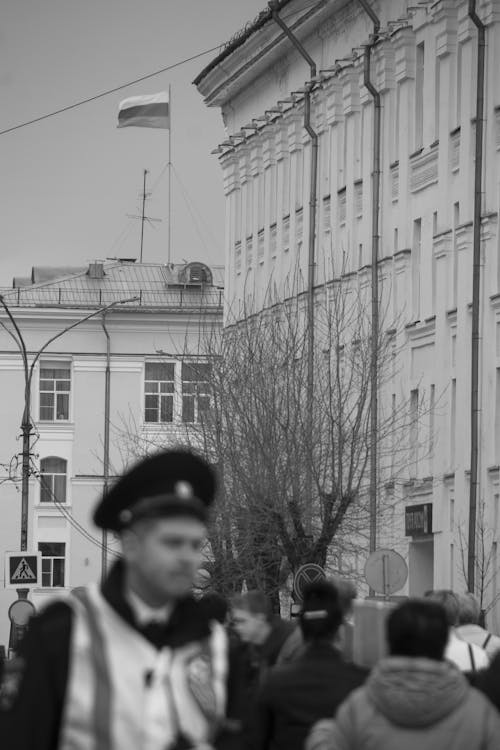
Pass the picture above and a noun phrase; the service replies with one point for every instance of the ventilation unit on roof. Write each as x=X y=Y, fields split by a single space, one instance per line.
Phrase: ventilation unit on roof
x=195 y=274
x=96 y=270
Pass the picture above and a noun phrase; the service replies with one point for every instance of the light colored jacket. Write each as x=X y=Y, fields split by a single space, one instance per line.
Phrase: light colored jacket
x=478 y=636
x=465 y=655
x=415 y=704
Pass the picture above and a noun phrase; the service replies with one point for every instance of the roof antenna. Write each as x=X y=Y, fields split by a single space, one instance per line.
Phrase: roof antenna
x=144 y=195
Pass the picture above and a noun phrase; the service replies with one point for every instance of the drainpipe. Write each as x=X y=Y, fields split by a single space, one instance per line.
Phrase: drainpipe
x=273 y=6
x=107 y=396
x=476 y=280
x=377 y=113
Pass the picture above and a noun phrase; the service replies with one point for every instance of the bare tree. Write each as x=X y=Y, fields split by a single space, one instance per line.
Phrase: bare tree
x=487 y=567
x=286 y=499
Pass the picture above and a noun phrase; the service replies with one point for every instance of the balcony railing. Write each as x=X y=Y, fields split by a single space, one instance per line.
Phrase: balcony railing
x=155 y=297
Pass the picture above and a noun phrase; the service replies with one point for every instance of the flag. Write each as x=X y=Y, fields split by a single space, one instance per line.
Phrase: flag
x=145 y=111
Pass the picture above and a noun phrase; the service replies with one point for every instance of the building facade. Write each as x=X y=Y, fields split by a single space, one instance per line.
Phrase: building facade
x=424 y=66
x=148 y=346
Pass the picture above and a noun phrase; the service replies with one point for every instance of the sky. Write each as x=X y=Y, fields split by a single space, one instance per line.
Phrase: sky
x=67 y=183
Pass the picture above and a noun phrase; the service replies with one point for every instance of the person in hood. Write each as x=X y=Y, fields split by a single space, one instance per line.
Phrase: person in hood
x=413 y=699
x=295 y=695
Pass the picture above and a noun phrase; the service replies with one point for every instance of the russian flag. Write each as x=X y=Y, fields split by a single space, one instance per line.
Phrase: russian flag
x=151 y=111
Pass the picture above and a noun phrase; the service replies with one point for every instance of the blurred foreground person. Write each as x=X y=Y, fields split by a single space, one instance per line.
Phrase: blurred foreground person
x=469 y=629
x=135 y=664
x=413 y=699
x=467 y=656
x=296 y=695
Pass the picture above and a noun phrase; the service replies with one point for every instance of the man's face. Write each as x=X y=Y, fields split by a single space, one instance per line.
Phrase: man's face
x=163 y=557
x=251 y=628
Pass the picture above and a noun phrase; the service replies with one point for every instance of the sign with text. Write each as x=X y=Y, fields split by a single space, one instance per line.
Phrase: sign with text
x=22 y=569
x=418 y=520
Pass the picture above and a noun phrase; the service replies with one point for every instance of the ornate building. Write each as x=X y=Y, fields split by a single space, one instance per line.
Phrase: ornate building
x=422 y=61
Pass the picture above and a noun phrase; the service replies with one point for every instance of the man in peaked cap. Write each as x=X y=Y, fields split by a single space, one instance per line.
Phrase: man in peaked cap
x=136 y=663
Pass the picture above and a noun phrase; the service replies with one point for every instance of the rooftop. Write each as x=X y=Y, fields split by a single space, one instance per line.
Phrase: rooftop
x=101 y=283
x=239 y=39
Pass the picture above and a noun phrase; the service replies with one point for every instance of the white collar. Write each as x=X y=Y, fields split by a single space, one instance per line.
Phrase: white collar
x=144 y=614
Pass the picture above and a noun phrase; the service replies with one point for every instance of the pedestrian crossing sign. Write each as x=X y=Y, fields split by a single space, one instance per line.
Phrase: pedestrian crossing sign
x=22 y=569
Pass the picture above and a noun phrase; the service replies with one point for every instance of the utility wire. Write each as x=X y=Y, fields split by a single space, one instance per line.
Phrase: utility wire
x=136 y=80
x=191 y=209
x=69 y=516
x=108 y=92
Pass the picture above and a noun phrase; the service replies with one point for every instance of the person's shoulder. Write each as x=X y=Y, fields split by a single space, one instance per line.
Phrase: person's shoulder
x=55 y=615
x=480 y=656
x=477 y=701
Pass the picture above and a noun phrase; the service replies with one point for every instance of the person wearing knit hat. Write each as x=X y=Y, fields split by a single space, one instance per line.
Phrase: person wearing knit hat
x=135 y=662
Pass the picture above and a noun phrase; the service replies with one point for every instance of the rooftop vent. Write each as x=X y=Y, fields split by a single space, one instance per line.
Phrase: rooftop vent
x=96 y=270
x=195 y=273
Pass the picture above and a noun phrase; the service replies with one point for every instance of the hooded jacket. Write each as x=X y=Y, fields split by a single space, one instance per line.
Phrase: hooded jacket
x=411 y=704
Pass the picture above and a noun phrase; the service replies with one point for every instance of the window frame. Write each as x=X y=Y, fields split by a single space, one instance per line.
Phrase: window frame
x=167 y=394
x=52 y=502
x=54 y=365
x=195 y=395
x=52 y=558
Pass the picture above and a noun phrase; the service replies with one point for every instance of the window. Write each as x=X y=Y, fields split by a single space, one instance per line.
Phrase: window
x=159 y=392
x=458 y=99
x=53 y=480
x=55 y=386
x=195 y=390
x=419 y=97
x=453 y=420
x=53 y=563
x=415 y=267
x=414 y=408
x=437 y=97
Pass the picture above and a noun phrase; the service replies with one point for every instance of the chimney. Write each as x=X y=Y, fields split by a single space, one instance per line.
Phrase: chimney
x=96 y=270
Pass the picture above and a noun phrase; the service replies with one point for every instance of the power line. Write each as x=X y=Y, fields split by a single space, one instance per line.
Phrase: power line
x=69 y=516
x=131 y=83
x=108 y=92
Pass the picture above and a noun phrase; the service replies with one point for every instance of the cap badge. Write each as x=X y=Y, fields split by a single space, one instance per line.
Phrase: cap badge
x=183 y=490
x=125 y=516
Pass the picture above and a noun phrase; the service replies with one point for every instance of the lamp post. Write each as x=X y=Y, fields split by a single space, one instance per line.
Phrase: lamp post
x=26 y=424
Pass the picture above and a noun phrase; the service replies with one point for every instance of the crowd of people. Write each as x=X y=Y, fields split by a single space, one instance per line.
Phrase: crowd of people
x=139 y=663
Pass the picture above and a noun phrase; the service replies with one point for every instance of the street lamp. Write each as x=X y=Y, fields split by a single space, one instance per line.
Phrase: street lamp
x=26 y=425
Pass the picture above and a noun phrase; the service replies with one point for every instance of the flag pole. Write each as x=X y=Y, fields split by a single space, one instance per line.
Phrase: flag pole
x=169 y=174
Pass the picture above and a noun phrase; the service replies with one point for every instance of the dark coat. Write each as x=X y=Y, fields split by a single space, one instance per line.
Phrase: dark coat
x=34 y=684
x=488 y=681
x=296 y=695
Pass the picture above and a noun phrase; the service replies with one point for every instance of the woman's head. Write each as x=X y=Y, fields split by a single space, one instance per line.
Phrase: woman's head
x=322 y=613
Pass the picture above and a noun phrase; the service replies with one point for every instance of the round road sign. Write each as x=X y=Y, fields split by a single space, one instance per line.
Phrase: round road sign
x=20 y=612
x=386 y=571
x=309 y=573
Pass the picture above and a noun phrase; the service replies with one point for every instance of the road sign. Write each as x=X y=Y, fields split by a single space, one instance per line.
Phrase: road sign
x=20 y=612
x=386 y=571
x=22 y=569
x=309 y=573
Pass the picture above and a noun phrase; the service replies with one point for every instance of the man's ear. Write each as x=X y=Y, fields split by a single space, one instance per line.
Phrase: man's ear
x=129 y=543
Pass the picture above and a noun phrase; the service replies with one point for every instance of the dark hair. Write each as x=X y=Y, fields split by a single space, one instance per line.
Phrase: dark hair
x=449 y=601
x=347 y=593
x=255 y=602
x=322 y=611
x=215 y=606
x=418 y=627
